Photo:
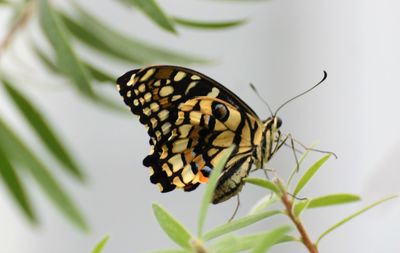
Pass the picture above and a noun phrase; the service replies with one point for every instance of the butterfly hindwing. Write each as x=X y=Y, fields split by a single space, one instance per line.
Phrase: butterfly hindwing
x=196 y=144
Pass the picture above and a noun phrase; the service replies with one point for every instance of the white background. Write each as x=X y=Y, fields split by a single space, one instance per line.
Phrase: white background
x=282 y=50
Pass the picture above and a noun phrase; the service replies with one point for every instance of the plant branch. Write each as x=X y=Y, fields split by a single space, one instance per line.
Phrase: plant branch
x=21 y=21
x=288 y=203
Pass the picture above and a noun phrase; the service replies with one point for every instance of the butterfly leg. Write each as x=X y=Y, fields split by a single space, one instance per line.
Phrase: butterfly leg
x=236 y=208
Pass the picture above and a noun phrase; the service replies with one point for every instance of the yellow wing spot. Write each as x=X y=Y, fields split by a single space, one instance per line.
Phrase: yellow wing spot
x=211 y=152
x=195 y=117
x=151 y=171
x=190 y=86
x=142 y=87
x=147 y=111
x=166 y=127
x=167 y=169
x=168 y=81
x=166 y=90
x=118 y=87
x=181 y=118
x=154 y=107
x=180 y=145
x=153 y=122
x=179 y=76
x=163 y=115
x=141 y=100
x=129 y=94
x=148 y=74
x=195 y=77
x=131 y=80
x=176 y=97
x=157 y=83
x=135 y=102
x=177 y=181
x=184 y=130
x=224 y=139
x=136 y=91
x=160 y=187
x=213 y=93
x=147 y=96
x=187 y=174
x=158 y=134
x=176 y=162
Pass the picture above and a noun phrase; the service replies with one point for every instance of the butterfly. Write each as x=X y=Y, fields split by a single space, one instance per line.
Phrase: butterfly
x=191 y=119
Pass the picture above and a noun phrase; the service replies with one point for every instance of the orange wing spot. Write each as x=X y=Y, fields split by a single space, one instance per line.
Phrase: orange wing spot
x=202 y=178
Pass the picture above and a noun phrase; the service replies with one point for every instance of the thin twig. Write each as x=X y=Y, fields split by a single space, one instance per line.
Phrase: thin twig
x=19 y=23
x=288 y=203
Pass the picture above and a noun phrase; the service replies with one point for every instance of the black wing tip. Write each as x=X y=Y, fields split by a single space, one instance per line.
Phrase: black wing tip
x=124 y=79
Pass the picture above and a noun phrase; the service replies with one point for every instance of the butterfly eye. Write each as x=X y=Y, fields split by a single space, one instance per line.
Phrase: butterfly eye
x=220 y=111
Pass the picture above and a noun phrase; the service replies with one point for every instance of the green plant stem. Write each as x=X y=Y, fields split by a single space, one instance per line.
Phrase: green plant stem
x=21 y=21
x=198 y=246
x=288 y=203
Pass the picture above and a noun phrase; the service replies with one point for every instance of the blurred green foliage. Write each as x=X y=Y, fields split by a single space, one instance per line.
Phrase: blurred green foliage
x=60 y=29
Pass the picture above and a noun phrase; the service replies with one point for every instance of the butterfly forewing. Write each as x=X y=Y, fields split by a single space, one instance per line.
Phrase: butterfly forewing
x=191 y=119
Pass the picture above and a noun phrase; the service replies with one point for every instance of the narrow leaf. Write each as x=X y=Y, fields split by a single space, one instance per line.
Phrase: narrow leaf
x=269 y=239
x=13 y=183
x=299 y=207
x=100 y=245
x=309 y=174
x=263 y=203
x=238 y=224
x=263 y=183
x=43 y=130
x=208 y=24
x=155 y=13
x=297 y=166
x=329 y=200
x=67 y=60
x=173 y=228
x=16 y=150
x=247 y=242
x=212 y=183
x=228 y=244
x=173 y=251
x=95 y=73
x=345 y=220
x=100 y=36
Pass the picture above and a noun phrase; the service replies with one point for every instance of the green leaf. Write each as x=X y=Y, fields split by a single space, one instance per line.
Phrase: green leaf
x=43 y=130
x=309 y=174
x=299 y=207
x=228 y=244
x=154 y=12
x=207 y=24
x=212 y=183
x=247 y=242
x=263 y=203
x=329 y=200
x=348 y=218
x=173 y=228
x=105 y=39
x=17 y=152
x=13 y=183
x=95 y=73
x=263 y=183
x=173 y=251
x=297 y=166
x=269 y=239
x=100 y=245
x=67 y=61
x=238 y=224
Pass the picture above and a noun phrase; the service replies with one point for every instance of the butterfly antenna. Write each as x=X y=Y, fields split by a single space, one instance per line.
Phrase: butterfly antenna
x=261 y=98
x=301 y=94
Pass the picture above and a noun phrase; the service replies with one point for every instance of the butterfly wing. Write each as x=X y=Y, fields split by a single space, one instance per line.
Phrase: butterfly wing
x=204 y=128
x=183 y=111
